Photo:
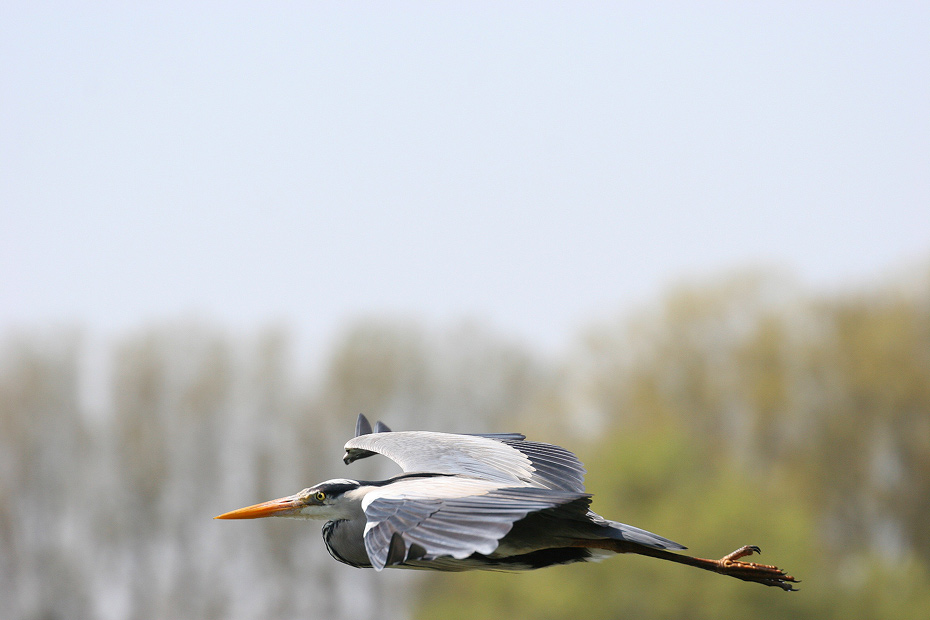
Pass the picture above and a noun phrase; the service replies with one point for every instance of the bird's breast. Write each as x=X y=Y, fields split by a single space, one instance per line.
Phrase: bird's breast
x=345 y=541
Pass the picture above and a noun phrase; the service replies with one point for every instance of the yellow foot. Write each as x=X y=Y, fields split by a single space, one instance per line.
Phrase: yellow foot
x=750 y=571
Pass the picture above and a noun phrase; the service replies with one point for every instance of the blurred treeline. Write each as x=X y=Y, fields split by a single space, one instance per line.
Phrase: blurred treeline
x=739 y=411
x=746 y=412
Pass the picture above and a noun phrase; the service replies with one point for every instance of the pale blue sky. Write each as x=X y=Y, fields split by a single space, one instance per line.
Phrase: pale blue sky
x=529 y=164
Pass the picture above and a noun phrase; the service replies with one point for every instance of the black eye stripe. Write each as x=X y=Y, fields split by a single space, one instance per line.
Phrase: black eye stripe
x=334 y=489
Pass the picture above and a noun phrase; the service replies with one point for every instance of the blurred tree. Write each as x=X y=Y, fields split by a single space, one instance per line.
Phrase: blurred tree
x=463 y=379
x=743 y=405
x=871 y=447
x=43 y=453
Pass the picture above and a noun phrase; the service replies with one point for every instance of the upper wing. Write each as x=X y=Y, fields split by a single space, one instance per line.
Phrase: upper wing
x=506 y=459
x=422 y=520
x=363 y=427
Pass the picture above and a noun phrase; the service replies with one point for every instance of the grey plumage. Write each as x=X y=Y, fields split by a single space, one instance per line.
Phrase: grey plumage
x=507 y=458
x=492 y=481
x=466 y=502
x=450 y=526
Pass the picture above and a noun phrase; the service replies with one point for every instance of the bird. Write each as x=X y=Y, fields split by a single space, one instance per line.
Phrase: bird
x=477 y=502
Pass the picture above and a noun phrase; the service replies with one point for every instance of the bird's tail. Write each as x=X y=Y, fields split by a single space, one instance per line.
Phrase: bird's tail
x=622 y=531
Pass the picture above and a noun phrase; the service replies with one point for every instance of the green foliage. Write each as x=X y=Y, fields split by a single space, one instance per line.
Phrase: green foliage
x=663 y=483
x=738 y=413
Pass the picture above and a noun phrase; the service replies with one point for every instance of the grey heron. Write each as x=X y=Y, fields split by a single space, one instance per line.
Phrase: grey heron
x=477 y=502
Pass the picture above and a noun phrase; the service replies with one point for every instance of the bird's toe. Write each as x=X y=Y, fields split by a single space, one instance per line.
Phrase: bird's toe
x=766 y=574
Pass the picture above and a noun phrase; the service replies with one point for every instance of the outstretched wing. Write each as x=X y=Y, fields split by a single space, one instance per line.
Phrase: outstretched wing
x=363 y=427
x=506 y=459
x=453 y=517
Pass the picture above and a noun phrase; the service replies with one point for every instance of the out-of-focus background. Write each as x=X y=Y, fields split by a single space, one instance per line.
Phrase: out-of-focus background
x=689 y=242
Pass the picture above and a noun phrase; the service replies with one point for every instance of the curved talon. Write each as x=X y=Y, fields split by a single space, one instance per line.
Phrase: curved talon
x=765 y=574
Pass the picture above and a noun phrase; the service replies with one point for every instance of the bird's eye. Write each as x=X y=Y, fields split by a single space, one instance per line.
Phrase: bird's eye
x=320 y=496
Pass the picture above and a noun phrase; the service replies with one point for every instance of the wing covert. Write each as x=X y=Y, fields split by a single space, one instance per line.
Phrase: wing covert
x=504 y=458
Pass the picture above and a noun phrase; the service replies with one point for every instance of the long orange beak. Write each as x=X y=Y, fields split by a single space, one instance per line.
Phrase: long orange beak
x=275 y=508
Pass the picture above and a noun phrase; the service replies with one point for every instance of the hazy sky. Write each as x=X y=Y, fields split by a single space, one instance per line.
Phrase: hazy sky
x=529 y=164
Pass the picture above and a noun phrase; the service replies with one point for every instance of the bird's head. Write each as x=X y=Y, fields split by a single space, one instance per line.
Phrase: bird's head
x=327 y=501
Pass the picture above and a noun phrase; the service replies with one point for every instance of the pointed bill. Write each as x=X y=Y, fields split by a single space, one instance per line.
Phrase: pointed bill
x=281 y=507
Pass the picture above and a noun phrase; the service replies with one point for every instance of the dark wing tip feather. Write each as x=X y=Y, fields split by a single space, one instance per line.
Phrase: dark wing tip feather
x=555 y=467
x=381 y=427
x=397 y=550
x=362 y=425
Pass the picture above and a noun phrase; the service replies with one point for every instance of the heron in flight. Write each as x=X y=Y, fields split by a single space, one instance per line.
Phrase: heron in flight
x=477 y=502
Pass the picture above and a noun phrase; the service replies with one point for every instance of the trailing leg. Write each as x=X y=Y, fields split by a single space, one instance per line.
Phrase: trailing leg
x=730 y=564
